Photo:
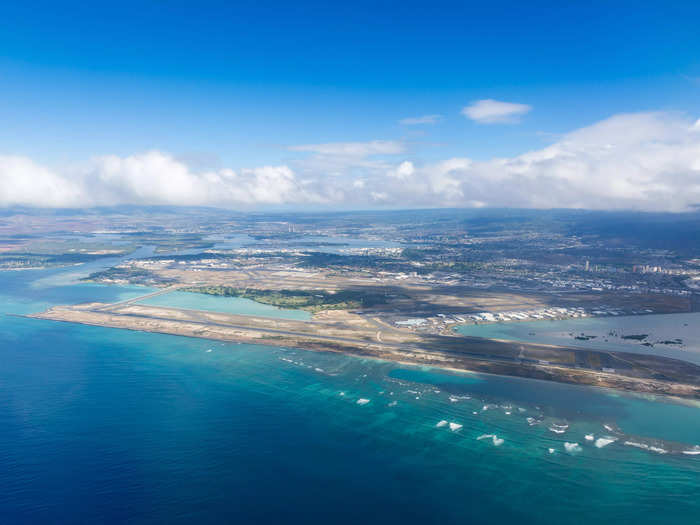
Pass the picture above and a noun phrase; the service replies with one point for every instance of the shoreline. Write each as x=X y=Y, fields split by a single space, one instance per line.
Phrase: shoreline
x=656 y=376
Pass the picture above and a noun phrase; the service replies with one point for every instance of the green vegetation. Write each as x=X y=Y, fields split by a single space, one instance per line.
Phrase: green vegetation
x=130 y=275
x=311 y=300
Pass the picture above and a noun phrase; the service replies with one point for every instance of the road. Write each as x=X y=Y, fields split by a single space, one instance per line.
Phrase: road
x=199 y=318
x=111 y=306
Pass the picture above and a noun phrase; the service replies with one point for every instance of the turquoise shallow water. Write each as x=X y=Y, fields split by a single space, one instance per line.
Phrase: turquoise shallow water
x=229 y=305
x=107 y=426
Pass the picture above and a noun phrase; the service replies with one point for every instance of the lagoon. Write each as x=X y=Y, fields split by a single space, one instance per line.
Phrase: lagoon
x=228 y=305
x=607 y=333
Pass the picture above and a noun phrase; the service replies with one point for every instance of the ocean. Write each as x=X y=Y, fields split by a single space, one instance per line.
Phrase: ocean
x=99 y=425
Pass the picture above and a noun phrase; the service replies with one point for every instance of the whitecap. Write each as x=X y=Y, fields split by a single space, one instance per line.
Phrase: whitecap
x=441 y=423
x=589 y=437
x=551 y=450
x=604 y=441
x=362 y=401
x=393 y=404
x=692 y=451
x=658 y=450
x=454 y=427
x=341 y=394
x=557 y=428
x=636 y=444
x=453 y=399
x=497 y=442
x=572 y=447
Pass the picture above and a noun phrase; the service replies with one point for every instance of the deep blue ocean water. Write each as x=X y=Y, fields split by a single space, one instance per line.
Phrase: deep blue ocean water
x=101 y=425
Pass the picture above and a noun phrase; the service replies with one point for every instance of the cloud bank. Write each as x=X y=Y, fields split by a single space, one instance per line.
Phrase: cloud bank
x=642 y=161
x=489 y=111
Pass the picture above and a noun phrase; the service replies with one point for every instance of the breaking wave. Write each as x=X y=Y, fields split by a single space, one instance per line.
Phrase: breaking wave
x=604 y=441
x=572 y=447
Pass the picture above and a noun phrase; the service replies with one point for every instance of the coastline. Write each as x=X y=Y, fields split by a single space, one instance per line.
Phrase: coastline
x=644 y=375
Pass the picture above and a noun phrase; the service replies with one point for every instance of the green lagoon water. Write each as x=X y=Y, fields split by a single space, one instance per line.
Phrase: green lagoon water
x=228 y=305
x=100 y=425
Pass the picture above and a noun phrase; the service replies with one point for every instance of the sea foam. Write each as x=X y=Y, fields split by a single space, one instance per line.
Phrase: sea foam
x=636 y=444
x=441 y=423
x=604 y=441
x=572 y=447
x=493 y=437
x=454 y=427
x=362 y=401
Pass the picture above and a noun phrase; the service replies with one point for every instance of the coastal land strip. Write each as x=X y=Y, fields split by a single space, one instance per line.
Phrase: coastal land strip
x=362 y=335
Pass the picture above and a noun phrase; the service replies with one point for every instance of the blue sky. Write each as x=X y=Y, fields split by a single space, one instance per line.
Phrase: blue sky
x=238 y=84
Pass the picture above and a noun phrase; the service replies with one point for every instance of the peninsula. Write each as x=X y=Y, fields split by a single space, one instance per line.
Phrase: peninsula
x=362 y=335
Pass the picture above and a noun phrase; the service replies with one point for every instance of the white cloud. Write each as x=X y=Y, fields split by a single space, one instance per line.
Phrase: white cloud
x=425 y=119
x=148 y=178
x=379 y=196
x=402 y=171
x=23 y=182
x=489 y=111
x=353 y=149
x=642 y=161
